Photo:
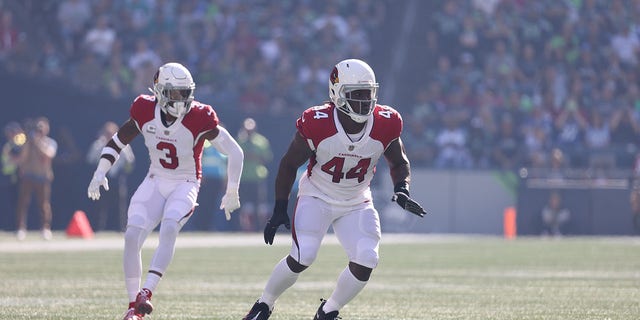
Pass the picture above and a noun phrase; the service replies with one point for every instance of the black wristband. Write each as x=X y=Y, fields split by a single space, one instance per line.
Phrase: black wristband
x=281 y=206
x=402 y=186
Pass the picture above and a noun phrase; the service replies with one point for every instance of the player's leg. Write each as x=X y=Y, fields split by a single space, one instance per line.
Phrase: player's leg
x=144 y=213
x=310 y=222
x=359 y=233
x=177 y=211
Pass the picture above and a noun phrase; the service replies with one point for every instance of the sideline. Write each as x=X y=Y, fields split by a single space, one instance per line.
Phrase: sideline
x=115 y=241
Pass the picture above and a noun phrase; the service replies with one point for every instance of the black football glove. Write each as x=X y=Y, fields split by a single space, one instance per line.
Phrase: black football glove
x=401 y=197
x=278 y=218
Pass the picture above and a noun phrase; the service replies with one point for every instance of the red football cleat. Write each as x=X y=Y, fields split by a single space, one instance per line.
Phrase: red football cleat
x=131 y=315
x=143 y=302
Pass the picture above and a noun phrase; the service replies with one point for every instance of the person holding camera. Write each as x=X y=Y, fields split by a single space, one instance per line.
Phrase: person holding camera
x=35 y=177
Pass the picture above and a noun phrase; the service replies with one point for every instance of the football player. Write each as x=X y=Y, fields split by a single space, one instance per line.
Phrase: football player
x=342 y=140
x=174 y=127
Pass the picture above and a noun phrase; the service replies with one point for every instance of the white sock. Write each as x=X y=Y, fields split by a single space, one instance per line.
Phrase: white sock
x=346 y=289
x=163 y=255
x=133 y=287
x=132 y=260
x=282 y=278
x=152 y=281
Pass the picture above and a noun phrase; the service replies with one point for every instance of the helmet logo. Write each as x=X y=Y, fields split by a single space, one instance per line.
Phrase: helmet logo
x=334 y=76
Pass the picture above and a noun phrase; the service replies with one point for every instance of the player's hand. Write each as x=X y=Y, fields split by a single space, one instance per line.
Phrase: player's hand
x=278 y=218
x=99 y=179
x=230 y=202
x=401 y=197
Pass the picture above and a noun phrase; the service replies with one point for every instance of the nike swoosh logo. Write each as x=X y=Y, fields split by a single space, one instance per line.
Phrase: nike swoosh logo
x=257 y=315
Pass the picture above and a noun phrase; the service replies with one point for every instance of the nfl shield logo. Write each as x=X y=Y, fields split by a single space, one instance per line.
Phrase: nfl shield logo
x=166 y=132
x=351 y=148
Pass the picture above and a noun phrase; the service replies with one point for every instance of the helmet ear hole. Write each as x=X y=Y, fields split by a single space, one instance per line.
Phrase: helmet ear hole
x=341 y=101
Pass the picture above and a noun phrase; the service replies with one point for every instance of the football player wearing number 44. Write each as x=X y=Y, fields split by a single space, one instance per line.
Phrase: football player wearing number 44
x=174 y=127
x=343 y=140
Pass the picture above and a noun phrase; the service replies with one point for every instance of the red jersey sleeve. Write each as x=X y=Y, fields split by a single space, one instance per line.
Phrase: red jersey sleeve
x=200 y=119
x=387 y=125
x=142 y=109
x=316 y=124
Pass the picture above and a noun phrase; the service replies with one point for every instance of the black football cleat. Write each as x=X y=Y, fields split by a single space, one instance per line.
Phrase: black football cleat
x=259 y=311
x=321 y=315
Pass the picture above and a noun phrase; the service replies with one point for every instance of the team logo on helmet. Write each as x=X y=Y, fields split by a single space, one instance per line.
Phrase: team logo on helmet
x=334 y=76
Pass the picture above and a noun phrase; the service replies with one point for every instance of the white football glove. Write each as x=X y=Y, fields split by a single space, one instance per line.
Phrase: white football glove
x=99 y=179
x=230 y=202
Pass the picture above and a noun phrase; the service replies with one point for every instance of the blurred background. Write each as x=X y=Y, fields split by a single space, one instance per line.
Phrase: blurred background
x=507 y=104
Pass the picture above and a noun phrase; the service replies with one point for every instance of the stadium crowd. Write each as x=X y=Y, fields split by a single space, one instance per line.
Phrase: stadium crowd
x=519 y=83
x=484 y=84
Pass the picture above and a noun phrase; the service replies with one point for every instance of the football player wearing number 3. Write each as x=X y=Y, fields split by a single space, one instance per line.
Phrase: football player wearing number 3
x=174 y=127
x=343 y=140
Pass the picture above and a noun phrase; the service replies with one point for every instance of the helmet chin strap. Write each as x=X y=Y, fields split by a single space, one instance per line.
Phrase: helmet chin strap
x=354 y=116
x=358 y=118
x=177 y=107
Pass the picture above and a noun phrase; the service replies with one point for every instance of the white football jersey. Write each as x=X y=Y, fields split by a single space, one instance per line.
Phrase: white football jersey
x=175 y=152
x=341 y=170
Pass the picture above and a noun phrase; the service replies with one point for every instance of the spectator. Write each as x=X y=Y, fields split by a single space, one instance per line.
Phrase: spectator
x=85 y=74
x=253 y=189
x=479 y=144
x=537 y=130
x=73 y=16
x=569 y=132
x=507 y=147
x=8 y=34
x=112 y=203
x=99 y=39
x=421 y=147
x=214 y=179
x=51 y=62
x=554 y=215
x=15 y=139
x=452 y=143
x=117 y=77
x=11 y=149
x=332 y=20
x=36 y=175
x=597 y=137
x=141 y=75
x=626 y=46
x=143 y=56
x=625 y=131
x=22 y=59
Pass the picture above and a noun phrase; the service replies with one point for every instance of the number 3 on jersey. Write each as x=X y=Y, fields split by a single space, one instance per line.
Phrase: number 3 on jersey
x=335 y=166
x=171 y=155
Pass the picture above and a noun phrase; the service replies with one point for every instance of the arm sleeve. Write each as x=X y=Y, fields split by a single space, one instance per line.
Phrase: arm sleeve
x=228 y=146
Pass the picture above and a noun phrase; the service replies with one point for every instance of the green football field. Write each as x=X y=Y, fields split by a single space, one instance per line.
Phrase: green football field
x=219 y=276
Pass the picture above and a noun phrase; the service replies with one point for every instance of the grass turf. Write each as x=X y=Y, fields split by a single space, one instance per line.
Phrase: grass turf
x=217 y=276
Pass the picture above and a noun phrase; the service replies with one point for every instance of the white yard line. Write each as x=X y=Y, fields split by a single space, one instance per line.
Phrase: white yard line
x=113 y=241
